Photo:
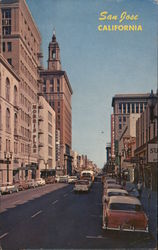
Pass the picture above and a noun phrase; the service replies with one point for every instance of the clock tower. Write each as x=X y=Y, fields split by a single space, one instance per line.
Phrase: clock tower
x=54 y=54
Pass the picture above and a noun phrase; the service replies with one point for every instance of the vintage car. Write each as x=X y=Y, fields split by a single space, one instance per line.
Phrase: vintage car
x=50 y=179
x=31 y=183
x=22 y=185
x=72 y=179
x=124 y=213
x=61 y=179
x=113 y=192
x=109 y=181
x=8 y=188
x=81 y=186
x=40 y=182
x=113 y=185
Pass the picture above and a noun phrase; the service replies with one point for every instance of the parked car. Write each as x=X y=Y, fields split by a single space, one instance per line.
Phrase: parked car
x=133 y=192
x=40 y=182
x=113 y=185
x=50 y=179
x=8 y=188
x=31 y=183
x=22 y=185
x=124 y=213
x=72 y=179
x=62 y=179
x=113 y=192
x=81 y=186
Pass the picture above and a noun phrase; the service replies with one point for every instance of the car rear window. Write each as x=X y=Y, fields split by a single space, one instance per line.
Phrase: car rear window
x=116 y=193
x=82 y=183
x=125 y=207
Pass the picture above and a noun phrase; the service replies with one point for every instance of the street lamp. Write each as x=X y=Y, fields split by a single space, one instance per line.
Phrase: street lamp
x=8 y=157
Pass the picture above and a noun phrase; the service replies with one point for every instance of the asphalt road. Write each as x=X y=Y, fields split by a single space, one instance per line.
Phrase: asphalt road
x=54 y=217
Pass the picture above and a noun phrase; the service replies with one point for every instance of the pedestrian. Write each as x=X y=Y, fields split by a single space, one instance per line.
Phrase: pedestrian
x=140 y=187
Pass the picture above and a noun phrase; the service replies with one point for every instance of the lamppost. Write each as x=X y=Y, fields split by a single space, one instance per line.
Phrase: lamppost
x=119 y=157
x=8 y=157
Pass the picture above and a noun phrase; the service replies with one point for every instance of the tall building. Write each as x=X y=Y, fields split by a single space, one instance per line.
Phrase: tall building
x=46 y=135
x=57 y=90
x=21 y=47
x=9 y=125
x=126 y=110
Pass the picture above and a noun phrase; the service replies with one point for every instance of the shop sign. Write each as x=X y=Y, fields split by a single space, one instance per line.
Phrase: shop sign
x=35 y=128
x=152 y=152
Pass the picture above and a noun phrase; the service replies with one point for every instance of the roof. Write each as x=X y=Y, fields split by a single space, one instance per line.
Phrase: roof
x=110 y=185
x=129 y=97
x=124 y=199
x=116 y=190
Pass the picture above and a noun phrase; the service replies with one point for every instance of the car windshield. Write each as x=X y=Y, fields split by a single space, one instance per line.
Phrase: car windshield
x=82 y=183
x=125 y=207
x=117 y=193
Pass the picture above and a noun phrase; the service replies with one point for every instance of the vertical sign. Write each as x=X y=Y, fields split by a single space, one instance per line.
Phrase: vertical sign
x=35 y=128
x=152 y=152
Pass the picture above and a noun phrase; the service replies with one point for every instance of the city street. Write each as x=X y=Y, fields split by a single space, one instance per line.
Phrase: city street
x=54 y=216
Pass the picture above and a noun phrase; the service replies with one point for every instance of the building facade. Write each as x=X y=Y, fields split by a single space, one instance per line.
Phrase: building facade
x=21 y=47
x=57 y=91
x=126 y=110
x=46 y=135
x=146 y=135
x=9 y=121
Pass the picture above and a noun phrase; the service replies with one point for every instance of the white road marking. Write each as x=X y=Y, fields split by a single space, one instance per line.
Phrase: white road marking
x=54 y=202
x=36 y=214
x=3 y=235
x=65 y=195
x=96 y=237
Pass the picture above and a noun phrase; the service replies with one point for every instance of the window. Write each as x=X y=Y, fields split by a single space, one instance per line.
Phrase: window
x=49 y=117
x=133 y=108
x=9 y=61
x=6 y=21
x=120 y=108
x=15 y=95
x=15 y=123
x=9 y=44
x=53 y=54
x=58 y=85
x=120 y=126
x=7 y=119
x=124 y=108
x=120 y=119
x=124 y=119
x=128 y=108
x=137 y=107
x=7 y=89
x=50 y=139
x=3 y=46
x=50 y=128
x=141 y=107
x=52 y=85
x=50 y=151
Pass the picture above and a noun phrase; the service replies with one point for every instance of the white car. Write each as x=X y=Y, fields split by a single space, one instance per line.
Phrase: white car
x=113 y=192
x=40 y=182
x=8 y=188
x=62 y=179
x=81 y=186
x=72 y=179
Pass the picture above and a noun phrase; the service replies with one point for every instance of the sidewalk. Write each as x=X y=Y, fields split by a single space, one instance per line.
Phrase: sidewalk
x=149 y=202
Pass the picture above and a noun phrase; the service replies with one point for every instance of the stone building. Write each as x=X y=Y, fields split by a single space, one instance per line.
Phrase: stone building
x=46 y=135
x=57 y=91
x=146 y=135
x=9 y=120
x=21 y=47
x=126 y=110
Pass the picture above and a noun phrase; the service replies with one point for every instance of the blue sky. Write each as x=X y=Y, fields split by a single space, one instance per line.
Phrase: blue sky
x=99 y=64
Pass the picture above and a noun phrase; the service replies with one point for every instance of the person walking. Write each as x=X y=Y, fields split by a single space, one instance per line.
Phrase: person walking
x=140 y=188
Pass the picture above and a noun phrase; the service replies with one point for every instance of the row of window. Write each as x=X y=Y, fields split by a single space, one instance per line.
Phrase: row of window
x=51 y=85
x=127 y=108
x=7 y=46
x=8 y=119
x=7 y=90
x=6 y=21
x=28 y=60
